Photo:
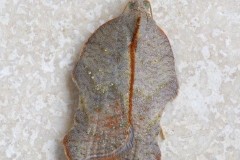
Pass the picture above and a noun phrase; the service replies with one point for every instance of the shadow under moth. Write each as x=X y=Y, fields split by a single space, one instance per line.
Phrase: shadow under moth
x=125 y=76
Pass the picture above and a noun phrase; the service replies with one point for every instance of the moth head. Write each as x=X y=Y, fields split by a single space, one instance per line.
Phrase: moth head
x=142 y=6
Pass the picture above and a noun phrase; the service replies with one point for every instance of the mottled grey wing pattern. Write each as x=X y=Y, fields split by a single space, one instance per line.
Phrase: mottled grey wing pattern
x=155 y=85
x=125 y=75
x=155 y=60
x=155 y=80
x=101 y=128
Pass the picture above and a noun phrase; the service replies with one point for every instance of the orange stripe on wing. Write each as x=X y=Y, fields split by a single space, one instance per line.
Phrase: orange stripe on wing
x=133 y=47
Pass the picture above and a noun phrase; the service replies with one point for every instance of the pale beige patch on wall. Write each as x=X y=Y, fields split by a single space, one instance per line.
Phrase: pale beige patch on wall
x=41 y=40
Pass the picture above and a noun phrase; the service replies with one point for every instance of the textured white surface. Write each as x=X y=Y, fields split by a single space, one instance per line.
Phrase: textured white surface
x=39 y=45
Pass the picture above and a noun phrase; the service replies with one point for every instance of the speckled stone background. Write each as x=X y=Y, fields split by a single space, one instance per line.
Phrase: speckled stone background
x=40 y=41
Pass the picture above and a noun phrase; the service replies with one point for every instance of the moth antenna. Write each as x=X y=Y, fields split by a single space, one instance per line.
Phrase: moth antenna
x=151 y=10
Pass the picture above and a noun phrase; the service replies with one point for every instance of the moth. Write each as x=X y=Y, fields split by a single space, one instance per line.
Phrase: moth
x=125 y=76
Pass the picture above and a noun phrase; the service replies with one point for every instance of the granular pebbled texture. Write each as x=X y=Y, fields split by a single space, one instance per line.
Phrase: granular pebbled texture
x=125 y=75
